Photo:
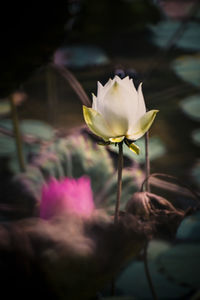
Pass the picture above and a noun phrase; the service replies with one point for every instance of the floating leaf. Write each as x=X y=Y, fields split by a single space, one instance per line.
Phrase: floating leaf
x=191 y=107
x=4 y=108
x=189 y=228
x=7 y=146
x=156 y=247
x=181 y=263
x=33 y=180
x=35 y=128
x=195 y=172
x=196 y=136
x=133 y=281
x=164 y=31
x=130 y=180
x=187 y=67
x=80 y=56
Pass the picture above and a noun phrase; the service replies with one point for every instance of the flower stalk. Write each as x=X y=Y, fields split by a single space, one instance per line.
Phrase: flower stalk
x=119 y=181
x=147 y=161
x=17 y=134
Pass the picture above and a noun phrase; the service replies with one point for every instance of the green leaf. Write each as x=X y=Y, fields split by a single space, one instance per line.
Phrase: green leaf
x=191 y=107
x=188 y=68
x=195 y=172
x=189 y=228
x=5 y=108
x=81 y=56
x=37 y=129
x=182 y=264
x=196 y=136
x=133 y=281
x=156 y=247
x=163 y=32
x=7 y=146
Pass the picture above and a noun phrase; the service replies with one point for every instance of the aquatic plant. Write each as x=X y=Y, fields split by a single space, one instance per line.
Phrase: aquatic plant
x=118 y=115
x=118 y=112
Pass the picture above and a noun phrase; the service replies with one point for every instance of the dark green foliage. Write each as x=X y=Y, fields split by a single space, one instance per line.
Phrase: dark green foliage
x=190 y=228
x=4 y=108
x=38 y=131
x=132 y=281
x=187 y=67
x=181 y=264
x=191 y=106
x=174 y=267
x=164 y=31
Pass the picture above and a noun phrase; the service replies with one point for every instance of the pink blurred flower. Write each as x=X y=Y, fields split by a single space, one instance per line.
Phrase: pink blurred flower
x=67 y=196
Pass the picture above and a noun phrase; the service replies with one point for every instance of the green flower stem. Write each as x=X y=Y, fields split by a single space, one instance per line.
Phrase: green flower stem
x=119 y=191
x=17 y=134
x=119 y=182
x=147 y=161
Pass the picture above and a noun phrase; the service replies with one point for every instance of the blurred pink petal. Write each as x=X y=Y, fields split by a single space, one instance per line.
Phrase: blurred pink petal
x=177 y=9
x=68 y=196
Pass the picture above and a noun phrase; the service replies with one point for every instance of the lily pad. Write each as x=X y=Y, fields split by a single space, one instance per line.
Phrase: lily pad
x=196 y=136
x=156 y=247
x=36 y=128
x=107 y=195
x=164 y=31
x=133 y=281
x=189 y=228
x=80 y=56
x=8 y=150
x=7 y=146
x=181 y=264
x=187 y=67
x=195 y=172
x=156 y=149
x=191 y=107
x=4 y=108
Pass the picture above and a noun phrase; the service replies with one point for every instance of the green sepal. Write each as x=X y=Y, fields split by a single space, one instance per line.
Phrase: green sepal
x=133 y=147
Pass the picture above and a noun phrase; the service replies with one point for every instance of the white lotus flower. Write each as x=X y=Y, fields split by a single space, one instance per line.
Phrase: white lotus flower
x=118 y=112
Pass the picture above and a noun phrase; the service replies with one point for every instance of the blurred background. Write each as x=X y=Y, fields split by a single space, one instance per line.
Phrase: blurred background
x=51 y=58
x=156 y=42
